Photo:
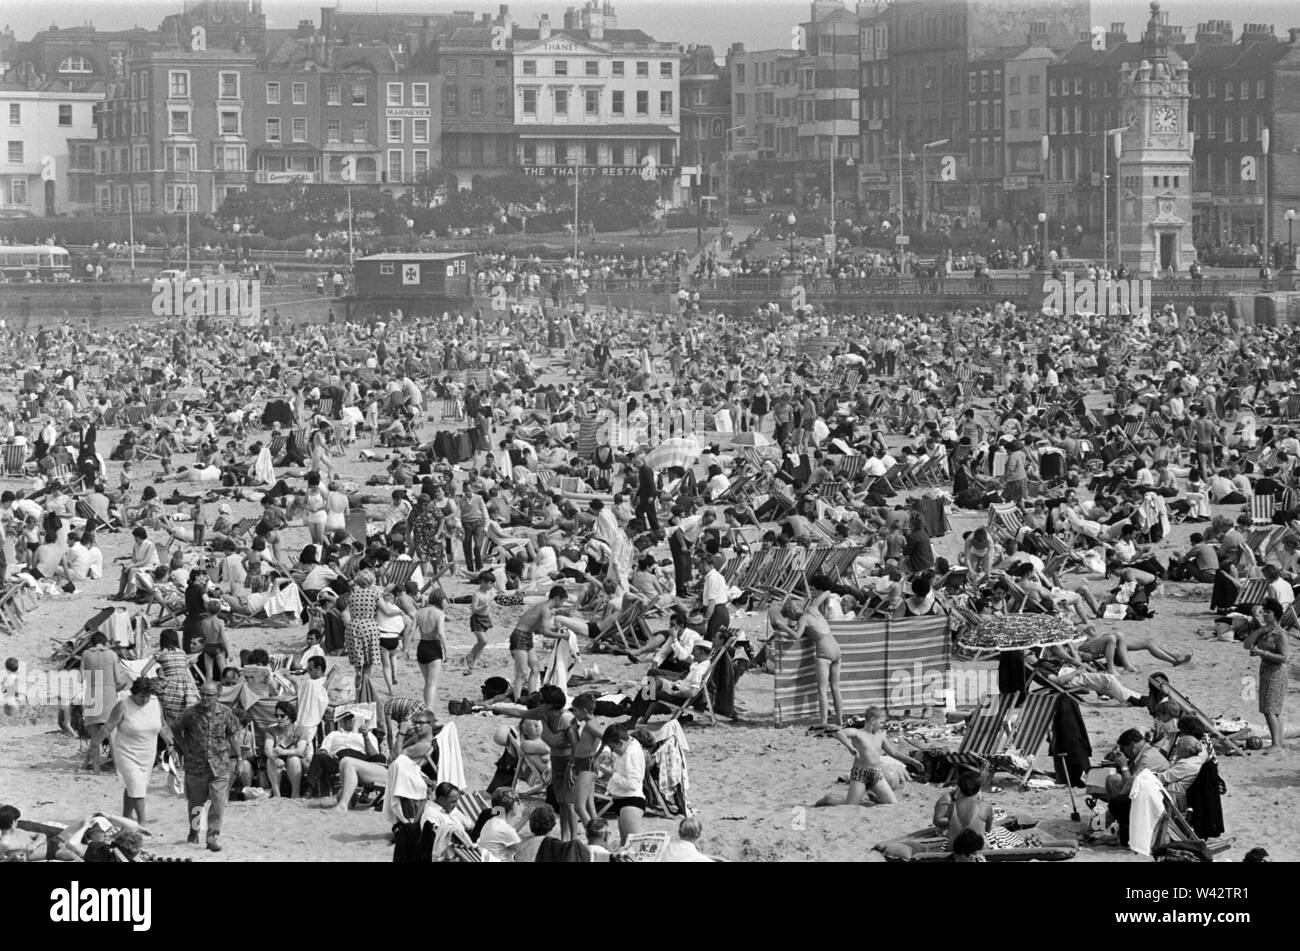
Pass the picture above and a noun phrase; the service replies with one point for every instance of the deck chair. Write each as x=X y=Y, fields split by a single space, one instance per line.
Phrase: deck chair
x=399 y=573
x=533 y=770
x=15 y=459
x=11 y=610
x=684 y=704
x=988 y=740
x=1262 y=508
x=1005 y=520
x=1158 y=685
x=624 y=629
x=356 y=526
x=243 y=527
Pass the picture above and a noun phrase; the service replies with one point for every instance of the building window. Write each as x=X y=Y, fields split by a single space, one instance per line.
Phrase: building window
x=616 y=102
x=180 y=158
x=273 y=94
x=1033 y=119
x=643 y=102
x=359 y=94
x=229 y=158
x=592 y=67
x=360 y=130
x=333 y=130
x=395 y=165
x=1259 y=89
x=394 y=130
x=616 y=155
x=228 y=86
x=15 y=153
x=273 y=130
x=451 y=100
x=1015 y=119
x=332 y=95
x=617 y=67
x=419 y=94
x=300 y=129
x=666 y=103
x=476 y=101
x=530 y=153
x=666 y=70
x=178 y=84
x=419 y=163
x=1013 y=86
x=530 y=67
x=76 y=64
x=1033 y=85
x=394 y=94
x=530 y=102
x=299 y=93
x=18 y=190
x=419 y=130
x=16 y=114
x=561 y=67
x=561 y=102
x=593 y=154
x=229 y=122
x=503 y=103
x=665 y=153
x=592 y=97
x=561 y=154
x=642 y=69
x=179 y=122
x=476 y=67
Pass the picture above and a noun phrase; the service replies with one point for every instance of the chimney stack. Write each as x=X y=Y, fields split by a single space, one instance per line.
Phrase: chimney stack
x=544 y=27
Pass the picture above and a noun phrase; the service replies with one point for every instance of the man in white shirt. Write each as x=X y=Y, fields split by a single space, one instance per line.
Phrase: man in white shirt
x=715 y=596
x=685 y=849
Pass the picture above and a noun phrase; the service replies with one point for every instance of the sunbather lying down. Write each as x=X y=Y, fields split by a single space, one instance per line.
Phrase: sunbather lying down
x=23 y=840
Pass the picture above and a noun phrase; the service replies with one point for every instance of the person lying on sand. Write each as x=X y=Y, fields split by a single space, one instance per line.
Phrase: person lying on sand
x=869 y=746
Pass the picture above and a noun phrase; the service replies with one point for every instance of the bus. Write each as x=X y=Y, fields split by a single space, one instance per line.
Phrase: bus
x=34 y=262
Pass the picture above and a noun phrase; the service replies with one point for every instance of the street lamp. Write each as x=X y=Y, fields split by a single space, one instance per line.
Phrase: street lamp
x=925 y=185
x=1290 y=242
x=791 y=220
x=577 y=175
x=1042 y=246
x=1105 y=176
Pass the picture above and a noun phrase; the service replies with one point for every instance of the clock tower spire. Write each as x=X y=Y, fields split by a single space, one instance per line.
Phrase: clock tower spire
x=1155 y=165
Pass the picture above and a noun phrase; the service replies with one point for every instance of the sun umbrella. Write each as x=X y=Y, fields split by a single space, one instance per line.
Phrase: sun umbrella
x=681 y=452
x=1017 y=632
x=757 y=440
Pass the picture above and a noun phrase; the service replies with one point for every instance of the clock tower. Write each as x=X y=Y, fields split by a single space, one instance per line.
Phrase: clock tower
x=1155 y=164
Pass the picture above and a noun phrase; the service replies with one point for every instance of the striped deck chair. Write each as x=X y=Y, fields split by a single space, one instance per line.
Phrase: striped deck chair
x=399 y=573
x=545 y=479
x=588 y=430
x=15 y=457
x=325 y=407
x=11 y=612
x=1261 y=540
x=1293 y=406
x=1261 y=509
x=785 y=499
x=1253 y=591
x=1024 y=736
x=279 y=441
x=244 y=526
x=623 y=629
x=725 y=641
x=1005 y=520
x=452 y=409
x=751 y=457
x=823 y=532
x=1158 y=685
x=470 y=806
x=850 y=467
x=133 y=415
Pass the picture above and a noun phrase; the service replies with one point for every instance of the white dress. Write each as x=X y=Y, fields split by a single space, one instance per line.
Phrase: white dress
x=135 y=744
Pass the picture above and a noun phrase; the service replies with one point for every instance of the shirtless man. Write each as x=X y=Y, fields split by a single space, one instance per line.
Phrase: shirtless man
x=536 y=620
x=588 y=739
x=869 y=746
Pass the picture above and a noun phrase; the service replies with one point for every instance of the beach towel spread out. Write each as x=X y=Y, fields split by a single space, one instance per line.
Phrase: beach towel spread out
x=451 y=764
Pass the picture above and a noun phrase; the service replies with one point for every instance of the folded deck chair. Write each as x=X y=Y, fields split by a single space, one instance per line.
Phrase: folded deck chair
x=1159 y=686
x=985 y=744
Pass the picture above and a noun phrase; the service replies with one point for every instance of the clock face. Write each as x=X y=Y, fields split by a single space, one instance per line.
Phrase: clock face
x=1166 y=119
x=1132 y=118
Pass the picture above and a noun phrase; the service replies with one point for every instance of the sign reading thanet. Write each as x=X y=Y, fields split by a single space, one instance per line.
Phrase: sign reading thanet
x=207 y=297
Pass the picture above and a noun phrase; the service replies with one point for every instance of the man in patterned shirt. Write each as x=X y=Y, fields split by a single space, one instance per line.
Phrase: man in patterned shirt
x=208 y=735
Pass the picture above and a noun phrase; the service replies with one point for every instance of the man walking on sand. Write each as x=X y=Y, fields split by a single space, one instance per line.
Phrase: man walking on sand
x=208 y=735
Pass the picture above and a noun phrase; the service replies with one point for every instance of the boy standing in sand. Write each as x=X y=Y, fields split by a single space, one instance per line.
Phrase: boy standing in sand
x=869 y=746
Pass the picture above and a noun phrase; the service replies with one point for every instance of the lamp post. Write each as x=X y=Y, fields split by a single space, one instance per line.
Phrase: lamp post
x=1290 y=242
x=791 y=220
x=577 y=175
x=1266 y=244
x=1119 y=247
x=1105 y=176
x=925 y=185
x=1042 y=246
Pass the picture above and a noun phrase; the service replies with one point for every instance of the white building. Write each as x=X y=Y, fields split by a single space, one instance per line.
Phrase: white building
x=43 y=123
x=599 y=97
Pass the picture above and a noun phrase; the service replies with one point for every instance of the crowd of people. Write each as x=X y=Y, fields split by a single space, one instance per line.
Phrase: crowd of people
x=524 y=478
